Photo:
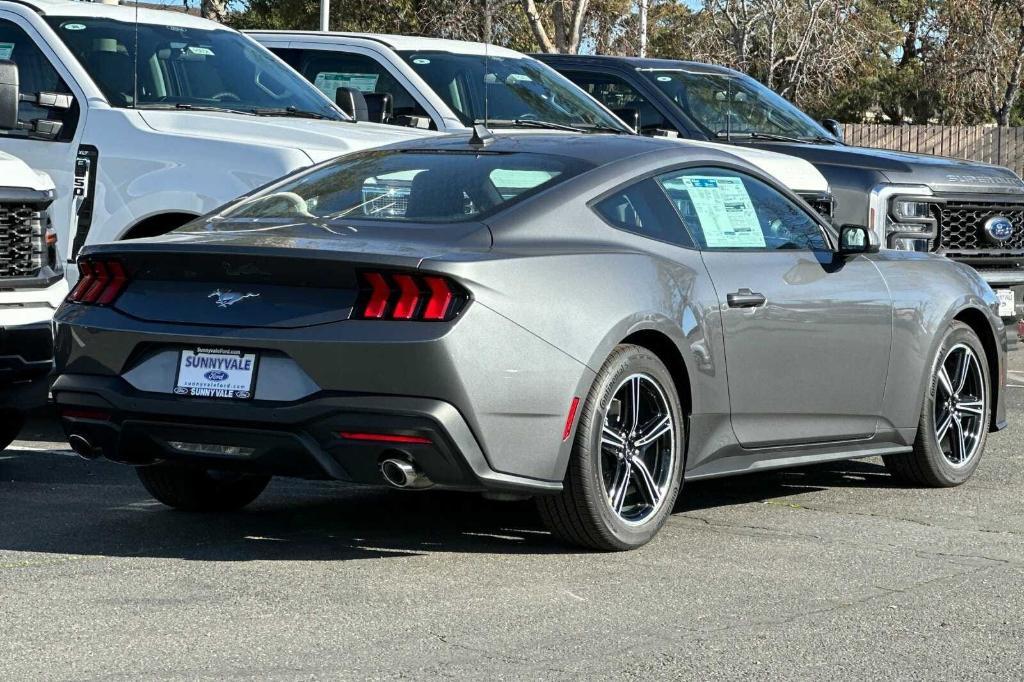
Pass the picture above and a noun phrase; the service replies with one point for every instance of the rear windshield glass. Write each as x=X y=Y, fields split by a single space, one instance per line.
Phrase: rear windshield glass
x=407 y=185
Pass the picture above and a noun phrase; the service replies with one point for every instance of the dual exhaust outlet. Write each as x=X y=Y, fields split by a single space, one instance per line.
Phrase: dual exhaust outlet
x=400 y=473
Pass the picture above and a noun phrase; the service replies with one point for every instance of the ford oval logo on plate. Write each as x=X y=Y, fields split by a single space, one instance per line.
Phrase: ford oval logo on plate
x=216 y=375
x=999 y=228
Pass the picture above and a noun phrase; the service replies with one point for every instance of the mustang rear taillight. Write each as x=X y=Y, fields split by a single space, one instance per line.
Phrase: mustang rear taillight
x=407 y=296
x=100 y=282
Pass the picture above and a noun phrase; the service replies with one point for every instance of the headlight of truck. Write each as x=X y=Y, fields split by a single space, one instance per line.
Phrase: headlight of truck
x=904 y=217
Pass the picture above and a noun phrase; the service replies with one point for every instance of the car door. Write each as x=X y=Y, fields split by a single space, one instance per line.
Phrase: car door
x=807 y=332
x=39 y=72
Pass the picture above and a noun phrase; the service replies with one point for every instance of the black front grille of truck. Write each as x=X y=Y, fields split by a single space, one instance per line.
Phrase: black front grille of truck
x=962 y=228
x=22 y=240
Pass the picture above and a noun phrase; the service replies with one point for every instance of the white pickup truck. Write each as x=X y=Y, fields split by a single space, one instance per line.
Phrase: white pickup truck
x=148 y=118
x=409 y=81
x=32 y=285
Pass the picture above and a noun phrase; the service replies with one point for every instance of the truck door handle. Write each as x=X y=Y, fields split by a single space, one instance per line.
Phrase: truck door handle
x=745 y=298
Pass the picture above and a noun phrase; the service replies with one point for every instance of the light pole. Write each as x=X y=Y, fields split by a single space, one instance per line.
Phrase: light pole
x=325 y=15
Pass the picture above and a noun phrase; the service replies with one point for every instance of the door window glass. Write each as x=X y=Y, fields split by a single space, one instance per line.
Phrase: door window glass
x=36 y=74
x=329 y=70
x=616 y=93
x=728 y=210
x=641 y=208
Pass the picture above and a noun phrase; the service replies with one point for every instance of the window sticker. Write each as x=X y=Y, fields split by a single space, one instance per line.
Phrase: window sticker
x=727 y=215
x=6 y=50
x=73 y=27
x=200 y=50
x=328 y=82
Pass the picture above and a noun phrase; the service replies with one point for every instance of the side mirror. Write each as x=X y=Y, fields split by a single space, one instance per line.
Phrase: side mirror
x=630 y=116
x=8 y=95
x=379 y=107
x=854 y=239
x=834 y=127
x=352 y=102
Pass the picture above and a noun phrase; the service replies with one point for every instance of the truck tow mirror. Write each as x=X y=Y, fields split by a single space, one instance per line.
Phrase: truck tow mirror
x=379 y=107
x=352 y=102
x=834 y=128
x=51 y=100
x=631 y=117
x=8 y=95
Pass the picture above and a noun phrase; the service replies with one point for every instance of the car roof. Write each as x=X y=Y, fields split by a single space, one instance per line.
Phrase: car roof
x=597 y=149
x=637 y=62
x=405 y=43
x=64 y=8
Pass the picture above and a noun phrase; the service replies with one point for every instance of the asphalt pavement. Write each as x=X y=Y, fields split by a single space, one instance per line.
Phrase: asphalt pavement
x=823 y=572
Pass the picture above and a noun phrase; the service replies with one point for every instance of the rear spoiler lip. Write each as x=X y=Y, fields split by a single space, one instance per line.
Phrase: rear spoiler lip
x=115 y=249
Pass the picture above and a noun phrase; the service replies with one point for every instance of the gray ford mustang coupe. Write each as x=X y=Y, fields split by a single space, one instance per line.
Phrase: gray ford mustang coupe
x=587 y=319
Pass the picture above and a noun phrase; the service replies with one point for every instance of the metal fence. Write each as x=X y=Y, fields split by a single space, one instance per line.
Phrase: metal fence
x=991 y=144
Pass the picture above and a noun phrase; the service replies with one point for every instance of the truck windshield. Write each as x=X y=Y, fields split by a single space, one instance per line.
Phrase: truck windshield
x=187 y=68
x=518 y=89
x=424 y=186
x=733 y=105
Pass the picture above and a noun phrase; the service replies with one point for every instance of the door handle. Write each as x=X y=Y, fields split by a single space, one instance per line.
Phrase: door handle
x=745 y=298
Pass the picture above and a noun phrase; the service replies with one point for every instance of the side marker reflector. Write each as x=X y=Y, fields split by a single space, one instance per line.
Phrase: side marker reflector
x=570 y=418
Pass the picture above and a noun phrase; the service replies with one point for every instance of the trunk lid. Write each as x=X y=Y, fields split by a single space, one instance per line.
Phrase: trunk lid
x=285 y=276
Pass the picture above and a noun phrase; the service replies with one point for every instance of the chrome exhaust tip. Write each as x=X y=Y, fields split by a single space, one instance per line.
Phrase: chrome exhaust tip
x=400 y=473
x=82 y=447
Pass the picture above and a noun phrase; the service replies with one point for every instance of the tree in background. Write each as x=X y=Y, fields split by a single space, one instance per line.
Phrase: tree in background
x=216 y=10
x=982 y=58
x=918 y=61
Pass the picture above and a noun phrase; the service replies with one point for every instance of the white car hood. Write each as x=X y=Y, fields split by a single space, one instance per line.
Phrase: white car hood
x=320 y=140
x=797 y=174
x=15 y=173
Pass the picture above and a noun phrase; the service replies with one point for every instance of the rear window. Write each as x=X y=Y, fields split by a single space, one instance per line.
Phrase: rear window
x=409 y=185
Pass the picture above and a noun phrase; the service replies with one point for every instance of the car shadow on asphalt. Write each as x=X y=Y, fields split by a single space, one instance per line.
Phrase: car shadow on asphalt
x=59 y=504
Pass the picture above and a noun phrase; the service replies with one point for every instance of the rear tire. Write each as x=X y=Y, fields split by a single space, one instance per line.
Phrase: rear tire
x=946 y=454
x=200 y=490
x=619 y=490
x=11 y=423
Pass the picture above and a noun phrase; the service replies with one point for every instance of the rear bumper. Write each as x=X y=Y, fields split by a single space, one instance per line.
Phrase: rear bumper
x=26 y=361
x=297 y=439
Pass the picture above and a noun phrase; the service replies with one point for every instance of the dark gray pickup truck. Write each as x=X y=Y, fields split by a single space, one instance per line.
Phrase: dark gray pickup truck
x=971 y=212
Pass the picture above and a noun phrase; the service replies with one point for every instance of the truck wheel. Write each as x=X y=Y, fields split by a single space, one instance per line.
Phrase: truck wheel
x=955 y=415
x=200 y=490
x=11 y=422
x=626 y=468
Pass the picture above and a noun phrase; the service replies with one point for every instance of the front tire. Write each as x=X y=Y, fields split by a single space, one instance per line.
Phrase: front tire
x=11 y=423
x=200 y=490
x=626 y=467
x=955 y=415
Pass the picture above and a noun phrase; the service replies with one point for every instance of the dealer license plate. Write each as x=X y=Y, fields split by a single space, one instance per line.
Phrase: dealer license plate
x=216 y=373
x=1006 y=302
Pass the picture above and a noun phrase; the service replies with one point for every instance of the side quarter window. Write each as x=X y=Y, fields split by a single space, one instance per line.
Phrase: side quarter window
x=642 y=208
x=725 y=209
x=36 y=74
